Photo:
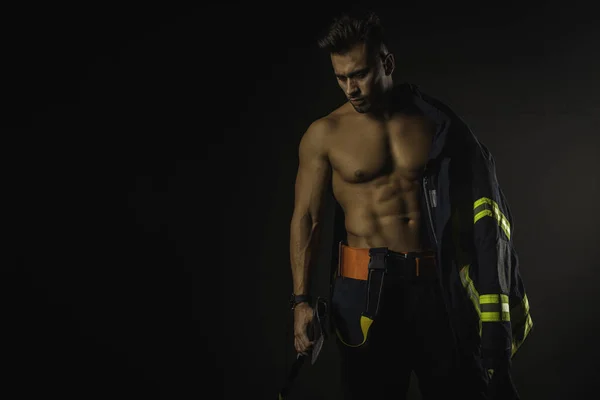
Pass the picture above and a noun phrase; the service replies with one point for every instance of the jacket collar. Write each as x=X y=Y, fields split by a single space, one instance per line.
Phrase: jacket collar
x=408 y=95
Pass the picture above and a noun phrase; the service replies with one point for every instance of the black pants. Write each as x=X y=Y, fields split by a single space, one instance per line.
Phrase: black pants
x=411 y=333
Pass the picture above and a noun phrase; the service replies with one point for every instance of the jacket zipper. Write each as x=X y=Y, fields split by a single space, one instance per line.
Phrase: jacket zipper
x=426 y=194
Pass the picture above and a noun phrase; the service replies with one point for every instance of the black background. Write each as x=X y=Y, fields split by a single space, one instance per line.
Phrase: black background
x=152 y=153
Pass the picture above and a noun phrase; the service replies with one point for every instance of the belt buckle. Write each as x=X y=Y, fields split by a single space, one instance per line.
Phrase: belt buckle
x=423 y=263
x=378 y=256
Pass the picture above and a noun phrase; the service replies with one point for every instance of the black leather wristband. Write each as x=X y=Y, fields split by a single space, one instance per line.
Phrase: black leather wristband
x=296 y=299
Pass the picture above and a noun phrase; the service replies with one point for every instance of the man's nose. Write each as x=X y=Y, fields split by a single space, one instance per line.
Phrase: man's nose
x=351 y=88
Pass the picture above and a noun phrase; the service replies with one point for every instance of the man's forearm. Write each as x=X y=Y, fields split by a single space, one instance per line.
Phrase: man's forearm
x=304 y=235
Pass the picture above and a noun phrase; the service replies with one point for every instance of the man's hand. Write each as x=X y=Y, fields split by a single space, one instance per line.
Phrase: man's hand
x=303 y=315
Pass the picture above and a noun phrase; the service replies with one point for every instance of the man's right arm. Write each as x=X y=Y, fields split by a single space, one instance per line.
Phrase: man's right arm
x=312 y=179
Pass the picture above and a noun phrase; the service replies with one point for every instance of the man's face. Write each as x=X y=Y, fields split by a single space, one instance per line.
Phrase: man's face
x=360 y=75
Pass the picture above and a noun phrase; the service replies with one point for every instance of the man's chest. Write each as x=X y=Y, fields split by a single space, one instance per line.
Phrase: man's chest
x=362 y=151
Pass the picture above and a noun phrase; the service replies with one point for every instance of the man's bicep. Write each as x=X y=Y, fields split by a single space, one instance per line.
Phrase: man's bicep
x=314 y=172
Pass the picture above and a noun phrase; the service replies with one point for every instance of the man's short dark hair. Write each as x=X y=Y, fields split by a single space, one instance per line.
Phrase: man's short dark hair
x=352 y=28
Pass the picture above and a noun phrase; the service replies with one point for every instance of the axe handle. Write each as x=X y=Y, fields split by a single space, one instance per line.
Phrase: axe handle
x=310 y=328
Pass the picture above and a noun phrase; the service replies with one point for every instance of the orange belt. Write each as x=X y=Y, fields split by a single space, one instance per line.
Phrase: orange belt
x=354 y=262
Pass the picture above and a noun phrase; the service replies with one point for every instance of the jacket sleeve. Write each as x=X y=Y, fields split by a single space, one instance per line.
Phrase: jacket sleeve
x=494 y=258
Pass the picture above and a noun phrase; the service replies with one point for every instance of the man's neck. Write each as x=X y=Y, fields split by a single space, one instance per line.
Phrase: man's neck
x=383 y=110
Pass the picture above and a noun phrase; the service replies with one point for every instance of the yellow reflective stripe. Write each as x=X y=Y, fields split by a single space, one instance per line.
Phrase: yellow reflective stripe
x=494 y=316
x=365 y=324
x=521 y=330
x=528 y=326
x=491 y=209
x=494 y=299
x=494 y=308
x=518 y=342
x=520 y=312
x=472 y=292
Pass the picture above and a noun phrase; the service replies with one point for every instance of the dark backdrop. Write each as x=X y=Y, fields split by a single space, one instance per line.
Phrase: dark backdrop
x=152 y=153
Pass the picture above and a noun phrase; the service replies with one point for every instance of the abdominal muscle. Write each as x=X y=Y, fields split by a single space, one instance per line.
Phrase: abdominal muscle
x=396 y=232
x=375 y=218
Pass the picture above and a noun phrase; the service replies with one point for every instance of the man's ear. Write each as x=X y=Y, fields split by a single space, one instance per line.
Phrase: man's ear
x=389 y=64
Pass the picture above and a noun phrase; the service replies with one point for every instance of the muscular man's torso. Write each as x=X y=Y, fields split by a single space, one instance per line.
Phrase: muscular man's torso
x=376 y=174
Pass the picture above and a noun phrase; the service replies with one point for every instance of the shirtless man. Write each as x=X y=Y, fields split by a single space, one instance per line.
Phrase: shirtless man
x=373 y=153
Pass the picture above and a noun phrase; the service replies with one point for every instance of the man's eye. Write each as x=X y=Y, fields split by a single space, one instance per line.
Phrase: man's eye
x=361 y=75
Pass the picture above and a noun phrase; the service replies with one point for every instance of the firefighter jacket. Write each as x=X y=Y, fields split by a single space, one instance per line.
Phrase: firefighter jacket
x=472 y=229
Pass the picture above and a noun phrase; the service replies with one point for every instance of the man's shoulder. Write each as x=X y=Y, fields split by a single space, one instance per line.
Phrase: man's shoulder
x=315 y=138
x=322 y=130
x=322 y=127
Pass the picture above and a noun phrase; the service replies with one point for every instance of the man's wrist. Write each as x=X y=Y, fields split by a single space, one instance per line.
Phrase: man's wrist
x=296 y=299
